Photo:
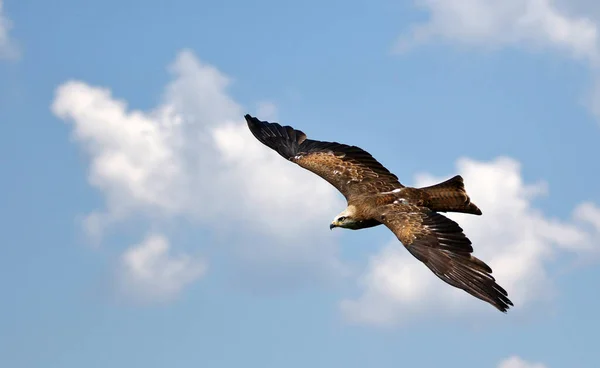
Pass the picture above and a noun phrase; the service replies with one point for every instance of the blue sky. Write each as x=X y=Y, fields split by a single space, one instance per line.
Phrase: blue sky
x=144 y=226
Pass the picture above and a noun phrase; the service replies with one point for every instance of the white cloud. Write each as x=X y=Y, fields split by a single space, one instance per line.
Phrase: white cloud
x=590 y=213
x=193 y=156
x=570 y=27
x=537 y=23
x=513 y=237
x=134 y=158
x=517 y=362
x=151 y=273
x=8 y=48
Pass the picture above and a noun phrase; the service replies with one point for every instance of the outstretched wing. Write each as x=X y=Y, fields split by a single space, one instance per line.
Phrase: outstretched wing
x=350 y=169
x=441 y=244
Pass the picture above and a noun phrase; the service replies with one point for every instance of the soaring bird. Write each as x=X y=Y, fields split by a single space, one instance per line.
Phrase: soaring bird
x=375 y=196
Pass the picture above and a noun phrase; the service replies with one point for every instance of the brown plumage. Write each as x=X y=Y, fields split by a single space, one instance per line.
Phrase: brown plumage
x=375 y=197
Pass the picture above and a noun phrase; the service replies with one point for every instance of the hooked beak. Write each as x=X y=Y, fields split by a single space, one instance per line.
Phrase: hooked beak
x=332 y=225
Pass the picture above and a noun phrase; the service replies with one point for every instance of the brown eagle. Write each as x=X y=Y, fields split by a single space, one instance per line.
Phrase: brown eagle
x=375 y=196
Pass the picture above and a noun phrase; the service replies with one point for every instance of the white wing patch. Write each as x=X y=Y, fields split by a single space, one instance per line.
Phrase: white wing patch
x=397 y=190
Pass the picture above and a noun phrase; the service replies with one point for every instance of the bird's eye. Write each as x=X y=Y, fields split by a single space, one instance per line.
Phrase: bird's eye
x=341 y=218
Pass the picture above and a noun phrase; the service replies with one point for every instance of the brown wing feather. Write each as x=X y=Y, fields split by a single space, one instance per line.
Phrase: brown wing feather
x=352 y=170
x=441 y=244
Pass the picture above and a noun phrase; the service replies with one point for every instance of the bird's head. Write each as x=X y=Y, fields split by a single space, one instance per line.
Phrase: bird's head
x=345 y=219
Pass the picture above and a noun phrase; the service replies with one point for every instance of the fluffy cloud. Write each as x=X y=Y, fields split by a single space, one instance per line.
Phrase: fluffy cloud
x=517 y=240
x=194 y=157
x=588 y=212
x=516 y=362
x=8 y=48
x=564 y=26
x=149 y=272
x=538 y=23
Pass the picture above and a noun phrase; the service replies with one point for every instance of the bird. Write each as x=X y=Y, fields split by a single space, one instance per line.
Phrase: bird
x=376 y=197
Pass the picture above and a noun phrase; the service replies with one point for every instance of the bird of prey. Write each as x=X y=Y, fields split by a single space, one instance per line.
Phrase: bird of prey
x=375 y=196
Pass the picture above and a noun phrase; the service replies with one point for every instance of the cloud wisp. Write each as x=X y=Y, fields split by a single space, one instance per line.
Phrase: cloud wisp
x=8 y=47
x=528 y=24
x=518 y=362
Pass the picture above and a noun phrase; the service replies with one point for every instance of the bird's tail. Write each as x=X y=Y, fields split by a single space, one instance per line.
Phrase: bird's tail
x=450 y=196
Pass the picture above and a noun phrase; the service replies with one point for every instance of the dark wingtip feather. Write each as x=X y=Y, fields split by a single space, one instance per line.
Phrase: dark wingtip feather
x=283 y=139
x=254 y=125
x=501 y=301
x=482 y=284
x=474 y=210
x=464 y=271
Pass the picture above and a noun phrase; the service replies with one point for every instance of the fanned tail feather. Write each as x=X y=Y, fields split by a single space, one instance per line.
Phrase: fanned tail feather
x=450 y=196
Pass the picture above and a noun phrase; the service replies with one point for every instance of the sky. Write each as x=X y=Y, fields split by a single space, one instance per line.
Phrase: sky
x=143 y=225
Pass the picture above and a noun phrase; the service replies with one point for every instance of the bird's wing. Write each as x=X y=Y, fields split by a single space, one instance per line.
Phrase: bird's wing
x=350 y=169
x=441 y=244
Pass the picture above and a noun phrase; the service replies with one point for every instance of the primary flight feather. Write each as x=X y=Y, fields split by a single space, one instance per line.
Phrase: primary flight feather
x=375 y=197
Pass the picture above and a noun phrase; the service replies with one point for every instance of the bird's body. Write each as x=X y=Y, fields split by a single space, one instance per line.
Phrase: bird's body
x=376 y=197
